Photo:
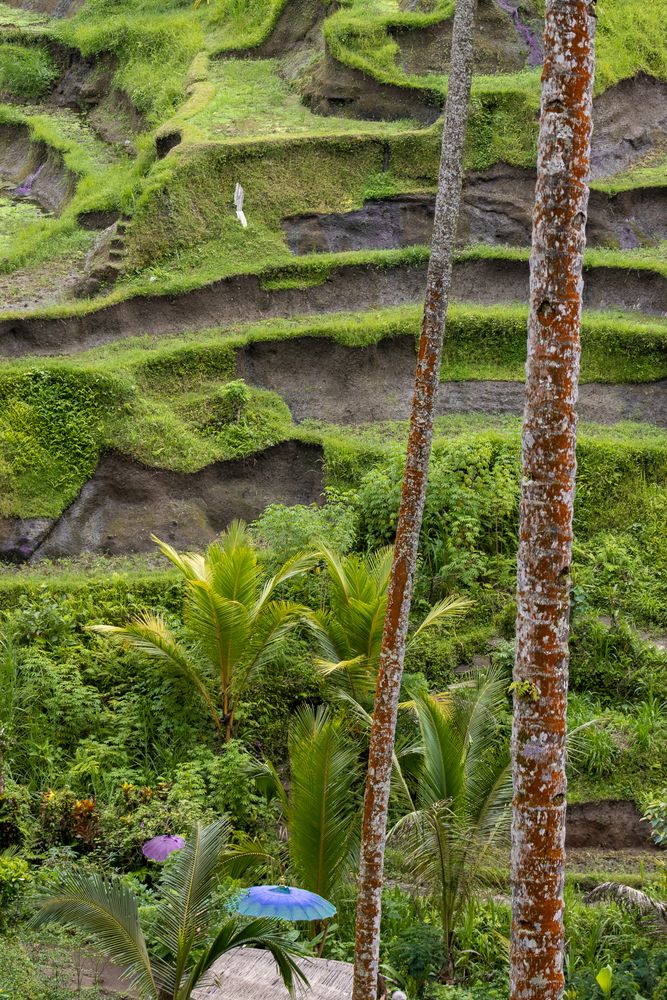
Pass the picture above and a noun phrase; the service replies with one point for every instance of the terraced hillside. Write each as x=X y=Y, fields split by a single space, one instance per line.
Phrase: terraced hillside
x=187 y=358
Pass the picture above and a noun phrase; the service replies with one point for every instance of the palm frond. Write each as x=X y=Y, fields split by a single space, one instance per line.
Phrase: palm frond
x=276 y=620
x=233 y=571
x=402 y=752
x=442 y=776
x=336 y=568
x=329 y=640
x=355 y=677
x=263 y=933
x=235 y=535
x=577 y=745
x=463 y=777
x=221 y=626
x=449 y=609
x=632 y=899
x=292 y=567
x=378 y=565
x=434 y=842
x=185 y=892
x=323 y=812
x=489 y=800
x=149 y=634
x=191 y=564
x=107 y=910
x=478 y=710
x=248 y=857
x=267 y=781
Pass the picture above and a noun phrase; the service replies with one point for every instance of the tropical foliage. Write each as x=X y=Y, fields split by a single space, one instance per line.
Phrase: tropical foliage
x=233 y=621
x=350 y=630
x=461 y=812
x=184 y=943
x=319 y=807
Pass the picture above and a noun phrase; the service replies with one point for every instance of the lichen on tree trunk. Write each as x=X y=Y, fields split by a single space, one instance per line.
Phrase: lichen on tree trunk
x=545 y=534
x=438 y=284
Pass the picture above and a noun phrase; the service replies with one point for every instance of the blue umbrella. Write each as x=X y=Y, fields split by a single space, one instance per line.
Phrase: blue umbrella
x=284 y=901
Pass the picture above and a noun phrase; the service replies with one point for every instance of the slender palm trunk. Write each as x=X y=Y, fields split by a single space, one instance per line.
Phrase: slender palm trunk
x=3 y=743
x=545 y=537
x=367 y=946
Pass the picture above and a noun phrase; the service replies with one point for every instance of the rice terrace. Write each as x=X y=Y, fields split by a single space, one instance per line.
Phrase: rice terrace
x=333 y=499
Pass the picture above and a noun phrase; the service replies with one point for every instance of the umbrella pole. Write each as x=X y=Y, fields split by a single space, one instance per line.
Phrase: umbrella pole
x=324 y=924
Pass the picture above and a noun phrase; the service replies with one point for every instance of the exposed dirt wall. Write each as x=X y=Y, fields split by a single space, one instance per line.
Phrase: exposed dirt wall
x=349 y=288
x=125 y=501
x=497 y=209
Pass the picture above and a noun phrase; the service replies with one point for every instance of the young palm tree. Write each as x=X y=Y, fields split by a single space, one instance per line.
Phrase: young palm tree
x=319 y=809
x=186 y=943
x=233 y=621
x=350 y=631
x=464 y=792
x=547 y=503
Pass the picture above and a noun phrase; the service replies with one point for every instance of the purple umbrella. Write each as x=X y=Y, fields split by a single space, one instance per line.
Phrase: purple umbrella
x=284 y=901
x=159 y=848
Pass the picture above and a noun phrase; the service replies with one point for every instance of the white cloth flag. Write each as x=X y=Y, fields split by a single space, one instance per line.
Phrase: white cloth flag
x=239 y=195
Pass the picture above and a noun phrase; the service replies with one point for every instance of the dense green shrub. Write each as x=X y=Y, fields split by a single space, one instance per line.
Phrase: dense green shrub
x=471 y=510
x=418 y=954
x=15 y=803
x=285 y=531
x=19 y=976
x=613 y=662
x=50 y=435
x=15 y=877
x=280 y=687
x=656 y=813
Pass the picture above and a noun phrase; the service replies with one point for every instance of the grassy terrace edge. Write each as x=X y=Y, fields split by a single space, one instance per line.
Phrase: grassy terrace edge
x=315 y=269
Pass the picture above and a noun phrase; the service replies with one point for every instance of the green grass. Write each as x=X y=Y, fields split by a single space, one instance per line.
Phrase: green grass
x=182 y=206
x=243 y=24
x=652 y=173
x=482 y=342
x=55 y=421
x=17 y=17
x=25 y=72
x=153 y=41
x=251 y=100
x=630 y=39
x=258 y=251
x=106 y=178
x=15 y=215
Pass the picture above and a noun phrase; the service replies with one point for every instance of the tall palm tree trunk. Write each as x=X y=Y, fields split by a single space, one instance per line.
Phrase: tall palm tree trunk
x=367 y=945
x=545 y=536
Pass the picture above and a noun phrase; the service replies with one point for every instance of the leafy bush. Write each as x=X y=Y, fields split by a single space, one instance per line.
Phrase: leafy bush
x=14 y=814
x=470 y=514
x=486 y=992
x=19 y=976
x=15 y=876
x=286 y=531
x=418 y=954
x=656 y=813
x=67 y=820
x=613 y=662
x=50 y=434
